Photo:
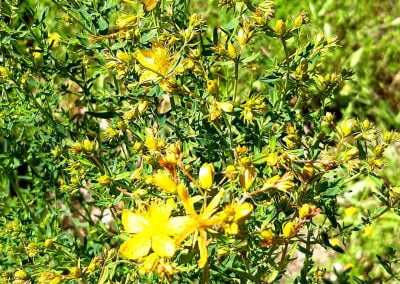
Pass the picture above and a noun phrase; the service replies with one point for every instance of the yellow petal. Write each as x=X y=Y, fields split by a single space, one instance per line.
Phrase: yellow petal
x=202 y=243
x=163 y=245
x=186 y=200
x=146 y=58
x=159 y=213
x=181 y=227
x=148 y=76
x=213 y=205
x=133 y=223
x=136 y=247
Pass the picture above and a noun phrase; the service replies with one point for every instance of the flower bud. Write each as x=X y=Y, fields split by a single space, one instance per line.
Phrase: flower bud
x=150 y=263
x=21 y=274
x=232 y=53
x=242 y=37
x=308 y=171
x=76 y=147
x=230 y=171
x=285 y=183
x=378 y=150
x=350 y=154
x=388 y=136
x=267 y=235
x=48 y=243
x=142 y=106
x=329 y=117
x=127 y=21
x=247 y=177
x=300 y=20
x=206 y=176
x=137 y=146
x=104 y=180
x=212 y=87
x=94 y=264
x=225 y=106
x=272 y=159
x=243 y=210
x=3 y=71
x=88 y=145
x=280 y=27
x=164 y=182
x=305 y=211
x=289 y=230
x=347 y=127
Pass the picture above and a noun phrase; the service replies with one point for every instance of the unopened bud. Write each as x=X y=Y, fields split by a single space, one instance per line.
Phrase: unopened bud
x=206 y=176
x=280 y=27
x=164 y=182
x=289 y=230
x=104 y=180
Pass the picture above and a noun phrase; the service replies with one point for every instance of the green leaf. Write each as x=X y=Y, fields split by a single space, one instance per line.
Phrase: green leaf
x=386 y=264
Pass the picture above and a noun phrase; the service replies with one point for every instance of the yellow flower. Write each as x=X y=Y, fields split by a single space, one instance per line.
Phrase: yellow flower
x=157 y=61
x=54 y=38
x=350 y=211
x=198 y=222
x=334 y=242
x=152 y=143
x=368 y=230
x=152 y=229
x=3 y=71
x=233 y=214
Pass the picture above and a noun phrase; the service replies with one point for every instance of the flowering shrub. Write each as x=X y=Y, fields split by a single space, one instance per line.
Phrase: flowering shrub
x=142 y=145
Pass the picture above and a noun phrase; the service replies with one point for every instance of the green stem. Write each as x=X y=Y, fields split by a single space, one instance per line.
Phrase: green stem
x=287 y=71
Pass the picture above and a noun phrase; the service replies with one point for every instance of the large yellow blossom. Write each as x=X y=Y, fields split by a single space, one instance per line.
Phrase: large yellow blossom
x=157 y=62
x=152 y=229
x=198 y=222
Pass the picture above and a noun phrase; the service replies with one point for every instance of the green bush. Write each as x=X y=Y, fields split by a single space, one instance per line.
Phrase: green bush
x=142 y=145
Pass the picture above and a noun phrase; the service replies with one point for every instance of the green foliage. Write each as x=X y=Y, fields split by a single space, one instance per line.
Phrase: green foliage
x=143 y=144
